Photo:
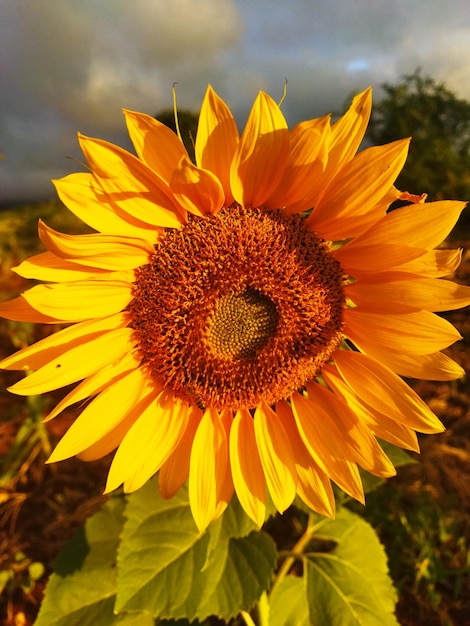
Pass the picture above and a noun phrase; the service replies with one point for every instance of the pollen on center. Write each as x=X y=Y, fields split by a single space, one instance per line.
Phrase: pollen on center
x=238 y=308
x=242 y=324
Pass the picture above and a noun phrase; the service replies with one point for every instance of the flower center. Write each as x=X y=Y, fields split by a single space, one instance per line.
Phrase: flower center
x=242 y=323
x=238 y=308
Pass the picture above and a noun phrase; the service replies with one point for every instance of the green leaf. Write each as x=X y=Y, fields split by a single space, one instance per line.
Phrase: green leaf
x=170 y=570
x=83 y=588
x=398 y=456
x=350 y=585
x=288 y=604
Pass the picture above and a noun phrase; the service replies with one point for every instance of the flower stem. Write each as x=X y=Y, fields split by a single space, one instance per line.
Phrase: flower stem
x=297 y=551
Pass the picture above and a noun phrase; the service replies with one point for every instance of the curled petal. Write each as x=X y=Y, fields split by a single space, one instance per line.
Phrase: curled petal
x=108 y=252
x=198 y=191
x=86 y=199
x=433 y=264
x=131 y=184
x=156 y=144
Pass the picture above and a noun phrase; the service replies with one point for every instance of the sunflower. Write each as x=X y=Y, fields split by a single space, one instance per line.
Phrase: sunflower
x=243 y=322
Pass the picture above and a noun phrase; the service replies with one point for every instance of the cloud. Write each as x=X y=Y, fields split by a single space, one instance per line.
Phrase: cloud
x=71 y=66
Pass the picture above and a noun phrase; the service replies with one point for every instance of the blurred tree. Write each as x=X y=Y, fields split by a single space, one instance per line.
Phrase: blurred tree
x=439 y=124
x=187 y=122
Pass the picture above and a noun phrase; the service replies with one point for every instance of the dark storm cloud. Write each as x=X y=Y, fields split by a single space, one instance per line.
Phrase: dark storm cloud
x=68 y=66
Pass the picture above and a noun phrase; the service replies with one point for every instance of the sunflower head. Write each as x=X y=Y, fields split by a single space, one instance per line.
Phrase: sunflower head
x=255 y=312
x=243 y=321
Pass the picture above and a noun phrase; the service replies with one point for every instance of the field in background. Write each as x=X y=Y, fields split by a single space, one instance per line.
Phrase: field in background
x=422 y=516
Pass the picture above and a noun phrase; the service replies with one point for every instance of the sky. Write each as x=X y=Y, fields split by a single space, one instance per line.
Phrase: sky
x=72 y=65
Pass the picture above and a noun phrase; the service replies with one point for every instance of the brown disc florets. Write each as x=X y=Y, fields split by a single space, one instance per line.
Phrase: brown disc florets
x=238 y=308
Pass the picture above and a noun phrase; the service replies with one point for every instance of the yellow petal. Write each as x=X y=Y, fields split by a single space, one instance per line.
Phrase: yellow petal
x=345 y=138
x=435 y=366
x=326 y=445
x=149 y=441
x=313 y=485
x=20 y=310
x=431 y=294
x=175 y=471
x=131 y=184
x=207 y=468
x=297 y=189
x=226 y=488
x=247 y=471
x=155 y=144
x=35 y=356
x=76 y=363
x=262 y=154
x=351 y=205
x=348 y=132
x=96 y=383
x=216 y=140
x=368 y=453
x=386 y=392
x=103 y=414
x=108 y=252
x=367 y=260
x=415 y=228
x=164 y=448
x=50 y=268
x=418 y=332
x=80 y=300
x=111 y=440
x=433 y=264
x=85 y=199
x=198 y=191
x=276 y=457
x=381 y=425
